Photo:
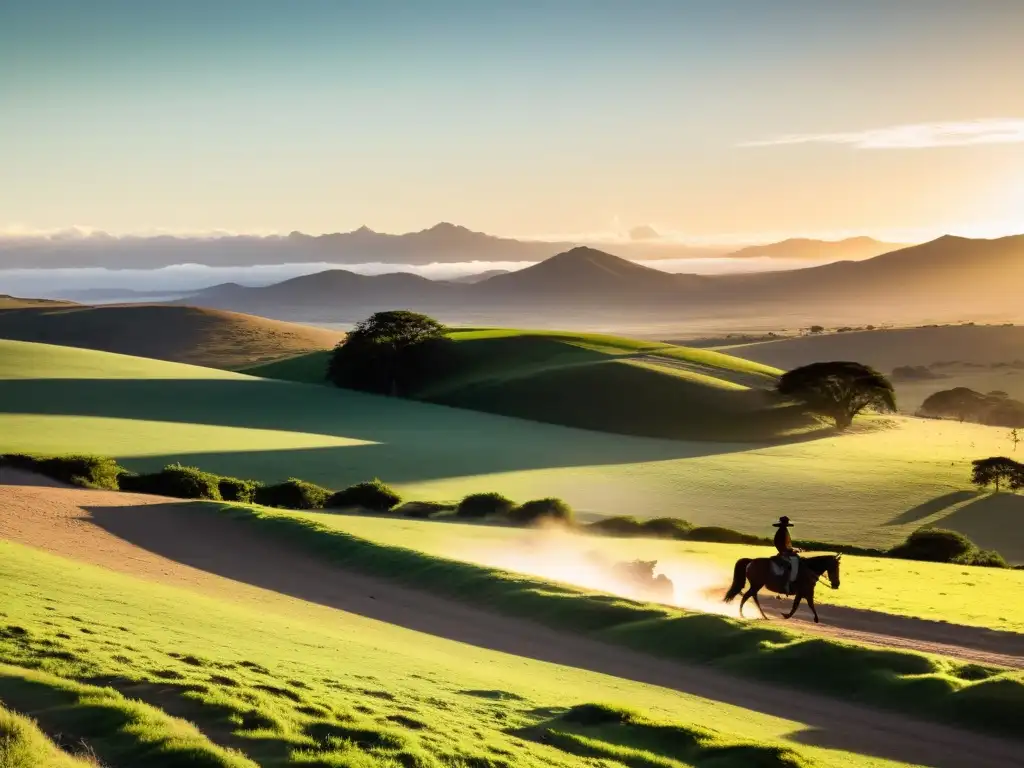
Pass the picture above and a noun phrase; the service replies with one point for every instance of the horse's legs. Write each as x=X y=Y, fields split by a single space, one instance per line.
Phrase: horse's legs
x=758 y=604
x=796 y=604
x=810 y=603
x=746 y=596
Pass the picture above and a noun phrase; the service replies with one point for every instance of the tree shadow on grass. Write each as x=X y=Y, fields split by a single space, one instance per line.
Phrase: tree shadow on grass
x=411 y=441
x=995 y=521
x=931 y=507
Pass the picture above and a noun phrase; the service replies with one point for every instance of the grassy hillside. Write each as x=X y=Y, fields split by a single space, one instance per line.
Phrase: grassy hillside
x=596 y=381
x=177 y=333
x=869 y=488
x=982 y=357
x=982 y=597
x=120 y=664
x=15 y=302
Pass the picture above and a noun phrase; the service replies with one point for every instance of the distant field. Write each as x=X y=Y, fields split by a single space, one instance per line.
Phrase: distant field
x=974 y=350
x=176 y=333
x=869 y=488
x=596 y=381
x=270 y=680
x=982 y=597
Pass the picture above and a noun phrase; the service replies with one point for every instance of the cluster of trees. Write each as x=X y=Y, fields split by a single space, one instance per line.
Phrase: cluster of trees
x=999 y=472
x=995 y=409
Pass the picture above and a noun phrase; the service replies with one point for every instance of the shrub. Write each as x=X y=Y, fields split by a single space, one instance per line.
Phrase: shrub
x=292 y=494
x=986 y=558
x=934 y=545
x=423 y=509
x=236 y=489
x=174 y=480
x=484 y=505
x=719 y=535
x=540 y=509
x=668 y=527
x=375 y=496
x=620 y=525
x=658 y=527
x=84 y=471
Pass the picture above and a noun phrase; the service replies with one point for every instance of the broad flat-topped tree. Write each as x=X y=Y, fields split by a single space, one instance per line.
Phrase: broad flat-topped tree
x=838 y=390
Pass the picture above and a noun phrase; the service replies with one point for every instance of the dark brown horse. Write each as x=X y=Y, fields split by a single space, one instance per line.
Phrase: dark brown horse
x=760 y=574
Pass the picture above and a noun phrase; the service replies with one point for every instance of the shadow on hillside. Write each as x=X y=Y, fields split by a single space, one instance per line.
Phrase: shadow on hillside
x=995 y=521
x=200 y=538
x=411 y=441
x=931 y=507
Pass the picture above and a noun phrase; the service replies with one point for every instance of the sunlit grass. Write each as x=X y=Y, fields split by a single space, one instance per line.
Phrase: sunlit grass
x=279 y=682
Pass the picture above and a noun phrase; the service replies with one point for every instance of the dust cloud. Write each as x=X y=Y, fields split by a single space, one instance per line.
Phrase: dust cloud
x=557 y=555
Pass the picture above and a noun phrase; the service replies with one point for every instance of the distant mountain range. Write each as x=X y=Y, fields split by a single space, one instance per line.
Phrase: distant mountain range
x=802 y=249
x=950 y=277
x=442 y=243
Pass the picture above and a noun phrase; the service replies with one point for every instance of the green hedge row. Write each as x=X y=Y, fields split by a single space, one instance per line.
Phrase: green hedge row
x=182 y=482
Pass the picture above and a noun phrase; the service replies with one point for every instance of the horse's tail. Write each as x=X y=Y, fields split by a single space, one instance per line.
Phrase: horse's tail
x=739 y=578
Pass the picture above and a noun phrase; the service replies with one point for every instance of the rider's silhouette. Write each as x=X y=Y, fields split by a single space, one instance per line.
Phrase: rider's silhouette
x=787 y=553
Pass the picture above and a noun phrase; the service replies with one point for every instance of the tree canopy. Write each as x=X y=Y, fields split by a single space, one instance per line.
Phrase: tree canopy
x=996 y=409
x=838 y=390
x=998 y=471
x=388 y=353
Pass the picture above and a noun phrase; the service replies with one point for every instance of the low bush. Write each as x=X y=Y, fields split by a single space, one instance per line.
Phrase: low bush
x=174 y=480
x=484 y=505
x=374 y=496
x=540 y=510
x=668 y=528
x=715 y=534
x=620 y=525
x=934 y=545
x=292 y=494
x=83 y=471
x=423 y=509
x=658 y=527
x=236 y=489
x=937 y=545
x=986 y=558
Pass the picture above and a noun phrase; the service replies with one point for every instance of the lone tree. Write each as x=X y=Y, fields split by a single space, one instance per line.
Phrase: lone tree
x=998 y=470
x=385 y=354
x=838 y=390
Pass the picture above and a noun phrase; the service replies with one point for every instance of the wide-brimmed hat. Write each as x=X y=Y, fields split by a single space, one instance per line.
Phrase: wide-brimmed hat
x=783 y=523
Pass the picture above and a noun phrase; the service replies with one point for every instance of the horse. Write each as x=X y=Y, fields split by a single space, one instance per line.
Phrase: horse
x=760 y=573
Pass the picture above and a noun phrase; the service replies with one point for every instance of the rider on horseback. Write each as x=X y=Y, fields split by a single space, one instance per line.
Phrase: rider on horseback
x=787 y=553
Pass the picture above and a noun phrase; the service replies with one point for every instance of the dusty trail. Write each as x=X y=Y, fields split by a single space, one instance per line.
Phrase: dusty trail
x=172 y=543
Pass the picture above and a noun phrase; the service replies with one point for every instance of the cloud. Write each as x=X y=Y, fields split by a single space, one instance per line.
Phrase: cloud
x=1004 y=130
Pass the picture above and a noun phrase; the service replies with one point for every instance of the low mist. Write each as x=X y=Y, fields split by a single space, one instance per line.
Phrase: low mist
x=66 y=282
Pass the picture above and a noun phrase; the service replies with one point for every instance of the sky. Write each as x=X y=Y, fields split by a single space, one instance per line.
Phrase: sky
x=732 y=120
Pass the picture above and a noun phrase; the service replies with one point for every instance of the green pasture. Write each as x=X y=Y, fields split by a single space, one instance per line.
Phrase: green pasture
x=116 y=666
x=971 y=695
x=870 y=487
x=595 y=381
x=974 y=596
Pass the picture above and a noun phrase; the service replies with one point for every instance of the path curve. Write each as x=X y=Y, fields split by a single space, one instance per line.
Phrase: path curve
x=175 y=543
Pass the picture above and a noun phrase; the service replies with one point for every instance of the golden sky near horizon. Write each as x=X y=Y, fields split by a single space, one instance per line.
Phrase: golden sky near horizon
x=727 y=122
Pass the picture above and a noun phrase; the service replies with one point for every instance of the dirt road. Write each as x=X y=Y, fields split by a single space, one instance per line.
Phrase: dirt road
x=168 y=542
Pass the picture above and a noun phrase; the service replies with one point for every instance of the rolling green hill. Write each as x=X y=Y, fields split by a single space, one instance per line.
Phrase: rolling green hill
x=596 y=381
x=870 y=487
x=150 y=674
